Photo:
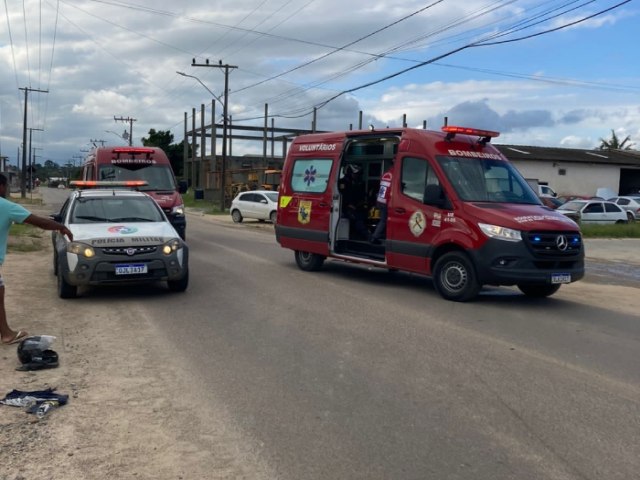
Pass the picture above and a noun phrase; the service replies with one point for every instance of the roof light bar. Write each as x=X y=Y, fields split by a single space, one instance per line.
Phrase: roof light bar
x=103 y=183
x=133 y=150
x=469 y=131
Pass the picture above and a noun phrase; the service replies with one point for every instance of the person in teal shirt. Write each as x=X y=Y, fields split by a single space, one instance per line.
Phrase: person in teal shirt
x=13 y=213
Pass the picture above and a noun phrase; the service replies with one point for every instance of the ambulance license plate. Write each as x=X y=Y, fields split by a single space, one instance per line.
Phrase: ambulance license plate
x=131 y=269
x=560 y=278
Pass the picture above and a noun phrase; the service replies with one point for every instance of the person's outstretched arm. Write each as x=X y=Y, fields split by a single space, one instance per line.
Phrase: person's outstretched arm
x=48 y=224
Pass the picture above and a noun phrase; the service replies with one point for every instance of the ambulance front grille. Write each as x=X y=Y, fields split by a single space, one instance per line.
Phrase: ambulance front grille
x=554 y=244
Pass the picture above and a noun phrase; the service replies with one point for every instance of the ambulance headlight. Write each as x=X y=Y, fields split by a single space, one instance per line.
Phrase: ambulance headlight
x=81 y=249
x=171 y=246
x=500 y=233
x=178 y=210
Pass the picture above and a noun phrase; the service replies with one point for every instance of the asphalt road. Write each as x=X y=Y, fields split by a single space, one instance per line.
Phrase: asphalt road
x=356 y=373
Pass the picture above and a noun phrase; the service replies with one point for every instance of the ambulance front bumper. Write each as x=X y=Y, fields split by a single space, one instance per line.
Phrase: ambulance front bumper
x=500 y=262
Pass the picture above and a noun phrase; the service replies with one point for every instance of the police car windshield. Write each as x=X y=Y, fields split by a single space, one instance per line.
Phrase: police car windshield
x=487 y=180
x=115 y=209
x=158 y=177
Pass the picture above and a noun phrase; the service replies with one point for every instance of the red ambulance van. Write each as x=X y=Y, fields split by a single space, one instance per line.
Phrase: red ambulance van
x=141 y=163
x=457 y=211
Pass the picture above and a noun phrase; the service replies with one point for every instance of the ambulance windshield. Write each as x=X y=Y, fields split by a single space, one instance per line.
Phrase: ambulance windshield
x=158 y=177
x=487 y=180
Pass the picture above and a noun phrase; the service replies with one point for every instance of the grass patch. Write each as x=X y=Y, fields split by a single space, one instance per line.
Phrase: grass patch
x=25 y=230
x=625 y=230
x=28 y=200
x=206 y=206
x=26 y=238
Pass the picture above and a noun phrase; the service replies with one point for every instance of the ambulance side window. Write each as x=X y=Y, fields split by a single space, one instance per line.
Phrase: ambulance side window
x=311 y=175
x=416 y=175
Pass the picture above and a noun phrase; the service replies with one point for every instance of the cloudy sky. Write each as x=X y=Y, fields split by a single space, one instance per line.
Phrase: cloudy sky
x=547 y=73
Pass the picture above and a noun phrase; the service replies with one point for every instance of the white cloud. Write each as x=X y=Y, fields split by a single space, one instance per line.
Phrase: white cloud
x=112 y=60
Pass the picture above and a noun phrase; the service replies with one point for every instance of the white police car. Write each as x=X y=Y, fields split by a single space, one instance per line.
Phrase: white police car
x=120 y=236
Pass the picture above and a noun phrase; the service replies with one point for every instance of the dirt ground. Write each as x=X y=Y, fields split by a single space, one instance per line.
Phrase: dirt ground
x=131 y=414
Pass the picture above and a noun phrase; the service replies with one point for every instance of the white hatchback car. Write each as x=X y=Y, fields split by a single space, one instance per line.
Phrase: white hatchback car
x=631 y=204
x=593 y=211
x=259 y=204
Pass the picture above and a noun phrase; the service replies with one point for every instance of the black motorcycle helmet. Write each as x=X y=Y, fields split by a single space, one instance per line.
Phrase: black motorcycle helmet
x=34 y=354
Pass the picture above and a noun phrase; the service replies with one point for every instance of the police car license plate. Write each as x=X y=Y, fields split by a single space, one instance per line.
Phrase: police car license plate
x=561 y=278
x=131 y=269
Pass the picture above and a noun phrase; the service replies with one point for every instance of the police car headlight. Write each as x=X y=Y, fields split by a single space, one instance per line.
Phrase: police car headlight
x=171 y=246
x=178 y=210
x=501 y=233
x=81 y=249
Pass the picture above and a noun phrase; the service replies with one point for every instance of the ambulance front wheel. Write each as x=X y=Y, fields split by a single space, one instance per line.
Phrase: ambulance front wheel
x=455 y=277
x=309 y=262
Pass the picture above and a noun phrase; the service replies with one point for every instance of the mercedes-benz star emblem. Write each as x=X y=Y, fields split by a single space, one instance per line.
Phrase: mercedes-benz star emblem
x=562 y=243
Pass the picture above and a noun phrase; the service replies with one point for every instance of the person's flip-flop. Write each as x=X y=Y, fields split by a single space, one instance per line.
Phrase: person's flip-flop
x=21 y=335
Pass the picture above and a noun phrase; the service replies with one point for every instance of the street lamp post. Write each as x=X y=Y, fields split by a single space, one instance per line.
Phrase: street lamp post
x=225 y=118
x=121 y=137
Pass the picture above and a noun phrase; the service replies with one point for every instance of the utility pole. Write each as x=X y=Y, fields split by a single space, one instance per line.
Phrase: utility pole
x=30 y=175
x=23 y=180
x=94 y=141
x=225 y=120
x=130 y=120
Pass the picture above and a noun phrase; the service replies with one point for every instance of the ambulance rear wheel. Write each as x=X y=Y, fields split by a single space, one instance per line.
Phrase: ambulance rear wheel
x=309 y=262
x=455 y=277
x=538 y=291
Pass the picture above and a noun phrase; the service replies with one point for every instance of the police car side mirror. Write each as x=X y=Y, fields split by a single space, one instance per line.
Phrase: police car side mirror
x=56 y=217
x=434 y=195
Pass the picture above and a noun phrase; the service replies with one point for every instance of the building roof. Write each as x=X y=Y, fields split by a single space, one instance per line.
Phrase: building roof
x=550 y=154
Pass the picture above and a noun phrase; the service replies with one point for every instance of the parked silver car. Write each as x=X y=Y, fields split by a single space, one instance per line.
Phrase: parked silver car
x=259 y=204
x=629 y=203
x=593 y=211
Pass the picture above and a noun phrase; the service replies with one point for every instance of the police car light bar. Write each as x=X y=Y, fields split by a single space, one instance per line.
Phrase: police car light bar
x=486 y=134
x=106 y=184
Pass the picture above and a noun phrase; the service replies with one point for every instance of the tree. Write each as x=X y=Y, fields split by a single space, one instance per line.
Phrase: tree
x=614 y=143
x=163 y=139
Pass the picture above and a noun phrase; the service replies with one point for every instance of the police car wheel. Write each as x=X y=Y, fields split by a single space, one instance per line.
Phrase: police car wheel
x=65 y=289
x=538 y=291
x=455 y=278
x=236 y=216
x=273 y=216
x=309 y=262
x=179 y=285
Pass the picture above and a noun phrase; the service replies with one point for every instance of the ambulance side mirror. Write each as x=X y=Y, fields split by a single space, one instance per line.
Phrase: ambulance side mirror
x=434 y=195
